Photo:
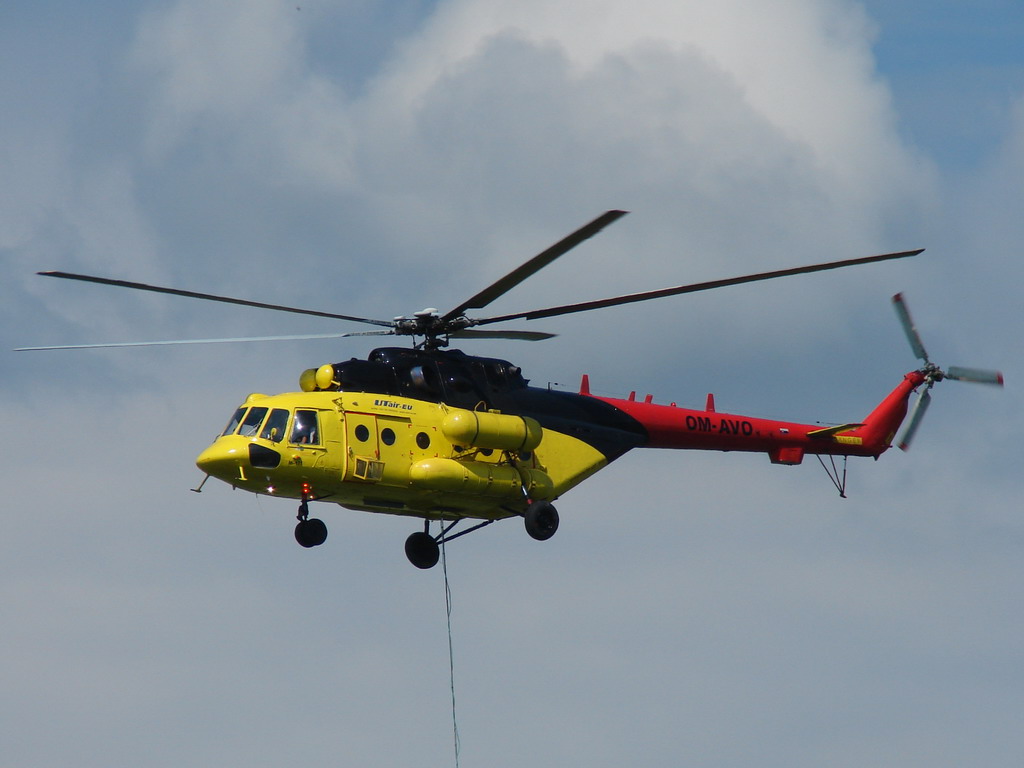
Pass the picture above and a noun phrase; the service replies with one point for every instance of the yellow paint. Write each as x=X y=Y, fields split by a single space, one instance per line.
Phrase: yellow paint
x=832 y=431
x=567 y=460
x=477 y=478
x=849 y=440
x=398 y=455
x=491 y=430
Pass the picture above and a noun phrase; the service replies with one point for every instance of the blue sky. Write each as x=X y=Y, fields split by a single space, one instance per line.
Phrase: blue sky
x=375 y=158
x=954 y=71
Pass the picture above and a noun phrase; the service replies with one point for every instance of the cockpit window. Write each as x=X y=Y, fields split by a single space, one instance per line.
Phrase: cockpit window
x=495 y=373
x=251 y=422
x=276 y=423
x=304 y=428
x=235 y=421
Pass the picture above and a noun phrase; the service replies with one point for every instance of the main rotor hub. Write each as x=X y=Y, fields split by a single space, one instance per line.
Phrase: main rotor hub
x=932 y=373
x=431 y=326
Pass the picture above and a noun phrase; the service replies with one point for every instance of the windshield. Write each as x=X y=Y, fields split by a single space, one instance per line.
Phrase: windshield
x=251 y=422
x=276 y=423
x=235 y=421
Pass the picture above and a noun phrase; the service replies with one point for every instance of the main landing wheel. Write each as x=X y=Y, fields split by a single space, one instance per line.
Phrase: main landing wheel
x=541 y=520
x=311 y=532
x=422 y=550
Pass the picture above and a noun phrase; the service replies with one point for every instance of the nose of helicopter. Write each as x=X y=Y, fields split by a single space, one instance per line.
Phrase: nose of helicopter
x=229 y=458
x=220 y=460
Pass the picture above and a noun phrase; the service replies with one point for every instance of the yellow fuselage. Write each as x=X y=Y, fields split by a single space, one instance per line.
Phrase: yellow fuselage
x=383 y=453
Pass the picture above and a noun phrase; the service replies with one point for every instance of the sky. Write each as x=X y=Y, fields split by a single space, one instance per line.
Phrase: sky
x=376 y=158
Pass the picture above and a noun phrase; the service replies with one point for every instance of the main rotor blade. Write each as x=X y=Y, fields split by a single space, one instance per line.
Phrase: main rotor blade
x=975 y=374
x=908 y=326
x=210 y=297
x=299 y=337
x=515 y=335
x=916 y=414
x=586 y=306
x=534 y=265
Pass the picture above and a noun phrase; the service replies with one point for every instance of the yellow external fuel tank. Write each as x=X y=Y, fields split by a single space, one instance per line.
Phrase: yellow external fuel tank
x=479 y=478
x=483 y=429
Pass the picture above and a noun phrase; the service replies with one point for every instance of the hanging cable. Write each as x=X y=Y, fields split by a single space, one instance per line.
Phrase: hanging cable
x=451 y=652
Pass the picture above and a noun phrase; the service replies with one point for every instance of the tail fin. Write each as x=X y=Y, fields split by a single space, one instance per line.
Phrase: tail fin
x=884 y=421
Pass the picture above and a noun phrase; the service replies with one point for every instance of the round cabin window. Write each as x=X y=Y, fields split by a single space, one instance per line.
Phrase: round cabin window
x=423 y=440
x=362 y=433
x=387 y=436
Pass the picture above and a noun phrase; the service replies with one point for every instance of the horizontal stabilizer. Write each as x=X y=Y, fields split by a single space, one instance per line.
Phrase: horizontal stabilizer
x=827 y=432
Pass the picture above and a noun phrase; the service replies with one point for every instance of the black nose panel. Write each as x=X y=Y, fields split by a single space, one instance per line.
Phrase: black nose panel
x=262 y=457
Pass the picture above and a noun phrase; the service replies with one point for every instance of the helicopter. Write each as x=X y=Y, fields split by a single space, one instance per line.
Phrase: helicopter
x=433 y=433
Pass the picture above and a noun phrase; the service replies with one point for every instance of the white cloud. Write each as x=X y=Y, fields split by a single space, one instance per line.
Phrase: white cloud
x=712 y=605
x=676 y=102
x=239 y=77
x=803 y=67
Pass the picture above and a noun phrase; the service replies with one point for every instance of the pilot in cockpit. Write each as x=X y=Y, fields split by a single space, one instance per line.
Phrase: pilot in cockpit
x=304 y=428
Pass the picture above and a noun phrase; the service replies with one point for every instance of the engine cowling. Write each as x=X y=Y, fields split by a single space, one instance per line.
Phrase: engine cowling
x=487 y=429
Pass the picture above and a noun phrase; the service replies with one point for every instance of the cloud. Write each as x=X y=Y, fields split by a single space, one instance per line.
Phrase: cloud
x=699 y=111
x=710 y=605
x=804 y=68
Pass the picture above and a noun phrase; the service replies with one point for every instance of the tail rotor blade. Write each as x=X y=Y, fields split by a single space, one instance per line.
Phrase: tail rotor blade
x=923 y=400
x=975 y=374
x=908 y=326
x=931 y=374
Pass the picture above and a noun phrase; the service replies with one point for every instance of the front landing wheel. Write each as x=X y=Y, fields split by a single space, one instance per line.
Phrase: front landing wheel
x=541 y=520
x=311 y=532
x=422 y=550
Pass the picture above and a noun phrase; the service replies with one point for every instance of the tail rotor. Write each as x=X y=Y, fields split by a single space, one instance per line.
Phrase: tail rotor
x=975 y=375
x=932 y=373
x=916 y=414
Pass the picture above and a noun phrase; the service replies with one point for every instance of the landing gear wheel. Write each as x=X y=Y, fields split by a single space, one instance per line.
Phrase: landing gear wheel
x=541 y=520
x=422 y=550
x=311 y=532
